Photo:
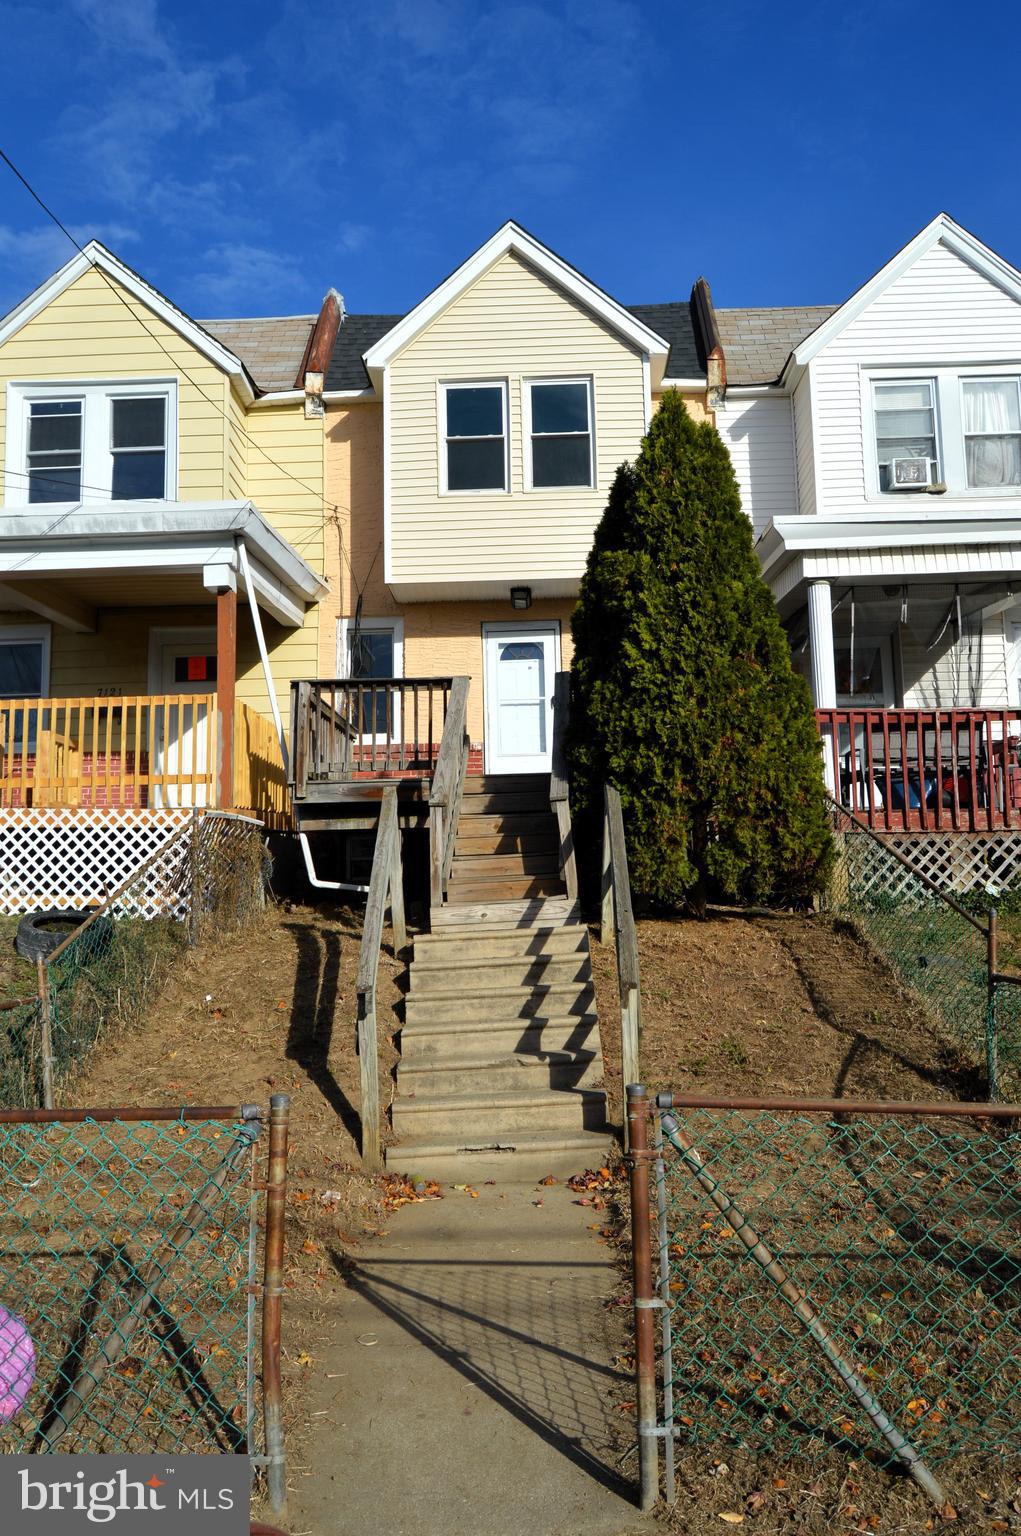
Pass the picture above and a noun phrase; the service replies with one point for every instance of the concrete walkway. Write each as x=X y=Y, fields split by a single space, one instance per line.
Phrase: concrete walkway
x=468 y=1392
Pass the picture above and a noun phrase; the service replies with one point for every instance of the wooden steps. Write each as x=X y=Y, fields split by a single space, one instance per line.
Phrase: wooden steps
x=501 y=1064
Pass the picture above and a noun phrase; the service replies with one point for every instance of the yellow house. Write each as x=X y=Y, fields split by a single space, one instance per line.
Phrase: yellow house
x=161 y=544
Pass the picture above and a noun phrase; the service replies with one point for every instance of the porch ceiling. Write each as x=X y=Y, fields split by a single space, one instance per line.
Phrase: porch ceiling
x=65 y=562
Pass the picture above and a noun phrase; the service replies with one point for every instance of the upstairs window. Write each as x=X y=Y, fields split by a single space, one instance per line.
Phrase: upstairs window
x=561 y=432
x=138 y=446
x=475 y=432
x=992 y=432
x=54 y=454
x=905 y=416
x=91 y=443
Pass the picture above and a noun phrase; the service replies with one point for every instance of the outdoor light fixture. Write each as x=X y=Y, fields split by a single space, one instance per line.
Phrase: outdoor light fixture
x=521 y=597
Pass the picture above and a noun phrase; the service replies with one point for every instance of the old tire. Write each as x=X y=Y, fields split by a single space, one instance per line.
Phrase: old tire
x=40 y=932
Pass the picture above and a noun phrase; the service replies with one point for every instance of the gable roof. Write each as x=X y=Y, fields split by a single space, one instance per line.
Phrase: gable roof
x=674 y=323
x=942 y=230
x=270 y=348
x=356 y=335
x=758 y=342
x=511 y=237
x=95 y=254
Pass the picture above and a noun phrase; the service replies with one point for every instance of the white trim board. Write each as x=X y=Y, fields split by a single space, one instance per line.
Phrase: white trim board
x=941 y=229
x=511 y=237
x=95 y=254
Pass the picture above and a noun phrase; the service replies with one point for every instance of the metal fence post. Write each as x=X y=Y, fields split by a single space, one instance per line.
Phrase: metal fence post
x=46 y=1032
x=272 y=1293
x=992 y=966
x=195 y=898
x=645 y=1300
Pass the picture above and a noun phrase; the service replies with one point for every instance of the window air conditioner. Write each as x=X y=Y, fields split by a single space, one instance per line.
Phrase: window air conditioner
x=910 y=474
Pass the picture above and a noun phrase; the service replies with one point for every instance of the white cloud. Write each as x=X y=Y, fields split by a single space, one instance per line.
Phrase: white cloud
x=238 y=276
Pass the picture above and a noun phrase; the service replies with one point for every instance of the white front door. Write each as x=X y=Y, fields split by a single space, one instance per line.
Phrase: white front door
x=183 y=663
x=521 y=664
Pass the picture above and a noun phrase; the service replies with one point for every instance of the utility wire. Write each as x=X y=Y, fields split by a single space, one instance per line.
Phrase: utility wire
x=326 y=506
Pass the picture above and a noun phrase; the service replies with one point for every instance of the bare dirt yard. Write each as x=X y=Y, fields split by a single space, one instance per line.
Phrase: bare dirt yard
x=790 y=1005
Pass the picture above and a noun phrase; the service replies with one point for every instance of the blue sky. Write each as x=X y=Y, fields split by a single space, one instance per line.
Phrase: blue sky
x=246 y=157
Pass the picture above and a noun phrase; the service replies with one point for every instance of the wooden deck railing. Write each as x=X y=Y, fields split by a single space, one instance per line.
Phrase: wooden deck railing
x=925 y=769
x=386 y=888
x=616 y=917
x=121 y=752
x=446 y=790
x=344 y=729
x=260 y=779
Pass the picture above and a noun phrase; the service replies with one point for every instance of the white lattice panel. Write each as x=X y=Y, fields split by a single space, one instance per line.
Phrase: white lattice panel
x=957 y=861
x=73 y=858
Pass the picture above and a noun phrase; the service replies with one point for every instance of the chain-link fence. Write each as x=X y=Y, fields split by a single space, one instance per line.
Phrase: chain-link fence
x=935 y=946
x=131 y=1249
x=831 y=1279
x=207 y=877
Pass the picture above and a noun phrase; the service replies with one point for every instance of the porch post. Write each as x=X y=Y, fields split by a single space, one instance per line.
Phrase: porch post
x=823 y=665
x=226 y=674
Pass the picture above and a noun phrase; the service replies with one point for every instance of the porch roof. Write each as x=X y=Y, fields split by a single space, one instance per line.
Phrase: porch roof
x=942 y=545
x=55 y=561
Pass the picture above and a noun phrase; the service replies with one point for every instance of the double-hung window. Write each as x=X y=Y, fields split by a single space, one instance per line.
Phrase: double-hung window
x=992 y=431
x=560 y=432
x=905 y=419
x=91 y=443
x=475 y=437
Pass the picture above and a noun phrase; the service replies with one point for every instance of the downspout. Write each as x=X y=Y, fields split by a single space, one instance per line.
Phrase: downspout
x=260 y=640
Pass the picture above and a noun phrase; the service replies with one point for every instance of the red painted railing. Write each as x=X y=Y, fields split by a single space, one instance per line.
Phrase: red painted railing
x=909 y=770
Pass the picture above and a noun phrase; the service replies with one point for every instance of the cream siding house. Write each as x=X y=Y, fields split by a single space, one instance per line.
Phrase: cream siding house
x=451 y=576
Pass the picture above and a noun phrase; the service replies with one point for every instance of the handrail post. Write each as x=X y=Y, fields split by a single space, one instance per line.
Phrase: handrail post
x=381 y=882
x=396 y=881
x=628 y=974
x=644 y=1293
x=606 y=924
x=272 y=1295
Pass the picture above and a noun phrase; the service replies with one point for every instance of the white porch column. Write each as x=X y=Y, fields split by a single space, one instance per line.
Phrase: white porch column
x=820 y=634
x=823 y=666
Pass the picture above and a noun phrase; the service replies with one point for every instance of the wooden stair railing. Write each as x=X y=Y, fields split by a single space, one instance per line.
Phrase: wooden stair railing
x=446 y=791
x=617 y=917
x=559 y=799
x=386 y=888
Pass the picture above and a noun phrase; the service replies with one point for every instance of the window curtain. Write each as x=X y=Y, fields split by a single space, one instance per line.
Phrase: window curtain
x=991 y=407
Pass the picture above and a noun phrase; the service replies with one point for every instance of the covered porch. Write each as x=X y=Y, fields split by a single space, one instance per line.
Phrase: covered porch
x=138 y=648
x=908 y=631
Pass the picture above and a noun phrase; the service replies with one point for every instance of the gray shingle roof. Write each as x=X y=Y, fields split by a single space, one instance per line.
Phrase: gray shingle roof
x=270 y=348
x=359 y=332
x=757 y=342
x=673 y=323
x=356 y=335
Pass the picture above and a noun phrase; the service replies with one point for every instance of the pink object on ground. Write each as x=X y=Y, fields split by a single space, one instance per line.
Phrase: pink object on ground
x=17 y=1364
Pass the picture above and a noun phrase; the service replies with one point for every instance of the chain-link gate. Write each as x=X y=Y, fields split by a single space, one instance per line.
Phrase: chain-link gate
x=130 y=1262
x=829 y=1277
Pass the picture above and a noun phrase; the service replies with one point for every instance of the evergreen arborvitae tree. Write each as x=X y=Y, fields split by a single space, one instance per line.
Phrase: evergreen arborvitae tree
x=684 y=693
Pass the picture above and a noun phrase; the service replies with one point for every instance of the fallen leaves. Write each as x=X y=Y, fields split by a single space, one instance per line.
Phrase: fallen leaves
x=399 y=1189
x=731 y=1516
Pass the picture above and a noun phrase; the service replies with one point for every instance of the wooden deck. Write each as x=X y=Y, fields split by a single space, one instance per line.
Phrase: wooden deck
x=924 y=770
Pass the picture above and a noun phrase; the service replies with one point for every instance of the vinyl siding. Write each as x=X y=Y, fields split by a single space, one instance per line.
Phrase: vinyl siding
x=971 y=672
x=759 y=435
x=804 y=452
x=512 y=324
x=237 y=451
x=86 y=333
x=940 y=312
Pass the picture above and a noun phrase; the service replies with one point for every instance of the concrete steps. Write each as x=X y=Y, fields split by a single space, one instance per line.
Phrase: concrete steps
x=501 y=1063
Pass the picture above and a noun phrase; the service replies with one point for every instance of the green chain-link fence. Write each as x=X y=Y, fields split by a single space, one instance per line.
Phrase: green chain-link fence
x=934 y=946
x=207 y=877
x=129 y=1266
x=899 y=1232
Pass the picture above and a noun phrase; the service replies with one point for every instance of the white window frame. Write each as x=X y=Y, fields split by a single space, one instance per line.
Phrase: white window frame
x=32 y=634
x=877 y=379
x=97 y=429
x=882 y=643
x=947 y=384
x=526 y=427
x=985 y=375
x=345 y=629
x=441 y=421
